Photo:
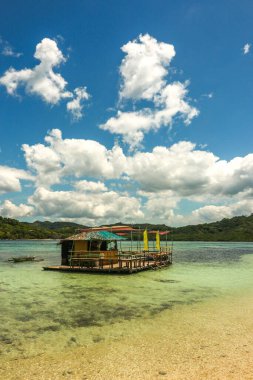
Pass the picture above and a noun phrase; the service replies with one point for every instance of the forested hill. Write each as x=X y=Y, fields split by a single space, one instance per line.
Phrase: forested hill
x=239 y=228
x=13 y=229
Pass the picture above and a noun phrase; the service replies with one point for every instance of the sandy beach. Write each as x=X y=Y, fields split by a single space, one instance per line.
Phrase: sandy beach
x=210 y=340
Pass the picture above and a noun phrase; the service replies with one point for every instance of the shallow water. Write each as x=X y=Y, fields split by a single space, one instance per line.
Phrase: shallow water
x=53 y=311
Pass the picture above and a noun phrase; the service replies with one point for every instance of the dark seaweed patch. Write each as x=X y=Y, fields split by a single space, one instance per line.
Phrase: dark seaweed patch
x=98 y=338
x=84 y=322
x=5 y=339
x=61 y=321
x=187 y=290
x=161 y=308
x=48 y=328
x=72 y=341
x=24 y=318
x=27 y=305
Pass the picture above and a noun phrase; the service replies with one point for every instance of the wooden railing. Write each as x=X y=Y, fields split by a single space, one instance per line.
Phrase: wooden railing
x=122 y=259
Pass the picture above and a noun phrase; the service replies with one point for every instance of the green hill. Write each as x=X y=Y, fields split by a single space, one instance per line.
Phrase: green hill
x=63 y=229
x=13 y=229
x=239 y=228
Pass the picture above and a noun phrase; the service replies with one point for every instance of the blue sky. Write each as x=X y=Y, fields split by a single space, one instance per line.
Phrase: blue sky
x=146 y=108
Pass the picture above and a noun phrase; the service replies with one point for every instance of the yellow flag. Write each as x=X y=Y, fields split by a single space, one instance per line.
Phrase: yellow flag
x=145 y=240
x=157 y=238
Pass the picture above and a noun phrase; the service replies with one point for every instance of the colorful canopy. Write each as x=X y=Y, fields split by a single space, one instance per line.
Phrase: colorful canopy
x=96 y=235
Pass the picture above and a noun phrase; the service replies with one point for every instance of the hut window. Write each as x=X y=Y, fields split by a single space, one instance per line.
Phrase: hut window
x=103 y=246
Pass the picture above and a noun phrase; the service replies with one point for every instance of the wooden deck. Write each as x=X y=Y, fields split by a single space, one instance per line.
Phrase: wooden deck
x=122 y=266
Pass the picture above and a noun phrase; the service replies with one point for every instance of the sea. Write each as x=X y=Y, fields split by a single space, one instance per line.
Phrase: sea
x=43 y=311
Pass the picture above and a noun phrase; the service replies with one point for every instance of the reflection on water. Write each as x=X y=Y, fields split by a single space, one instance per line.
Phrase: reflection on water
x=49 y=310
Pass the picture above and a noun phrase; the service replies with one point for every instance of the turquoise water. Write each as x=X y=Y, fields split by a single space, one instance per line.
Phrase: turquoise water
x=52 y=311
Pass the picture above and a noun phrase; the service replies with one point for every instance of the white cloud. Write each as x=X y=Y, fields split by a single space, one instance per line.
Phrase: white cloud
x=181 y=168
x=45 y=162
x=133 y=125
x=10 y=210
x=158 y=181
x=90 y=186
x=73 y=157
x=144 y=67
x=207 y=214
x=7 y=50
x=93 y=206
x=43 y=81
x=75 y=106
x=212 y=213
x=172 y=98
x=10 y=179
x=209 y=96
x=246 y=48
x=160 y=206
x=143 y=72
x=191 y=173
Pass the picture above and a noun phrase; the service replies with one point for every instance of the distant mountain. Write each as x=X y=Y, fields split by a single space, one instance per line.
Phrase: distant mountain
x=63 y=229
x=239 y=228
x=56 y=225
x=13 y=229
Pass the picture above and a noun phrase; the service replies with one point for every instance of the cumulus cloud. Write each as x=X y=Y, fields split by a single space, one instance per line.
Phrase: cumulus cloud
x=205 y=214
x=144 y=67
x=169 y=103
x=10 y=179
x=93 y=206
x=45 y=162
x=143 y=71
x=181 y=168
x=90 y=186
x=131 y=125
x=10 y=210
x=160 y=206
x=43 y=81
x=75 y=106
x=158 y=182
x=246 y=48
x=190 y=172
x=212 y=213
x=72 y=157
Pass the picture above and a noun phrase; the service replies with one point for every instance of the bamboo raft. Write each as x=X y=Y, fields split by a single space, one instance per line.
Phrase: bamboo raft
x=124 y=264
x=99 y=250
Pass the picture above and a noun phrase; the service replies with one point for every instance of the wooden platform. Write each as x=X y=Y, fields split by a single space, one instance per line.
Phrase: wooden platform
x=108 y=269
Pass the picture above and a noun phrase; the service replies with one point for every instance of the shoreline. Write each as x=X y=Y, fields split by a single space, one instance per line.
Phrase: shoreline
x=209 y=340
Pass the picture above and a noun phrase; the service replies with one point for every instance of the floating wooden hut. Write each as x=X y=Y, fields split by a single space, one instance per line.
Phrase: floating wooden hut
x=116 y=249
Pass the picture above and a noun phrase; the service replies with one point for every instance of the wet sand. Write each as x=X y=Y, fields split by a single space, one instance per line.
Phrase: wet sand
x=208 y=340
